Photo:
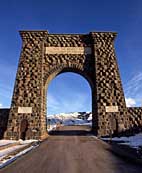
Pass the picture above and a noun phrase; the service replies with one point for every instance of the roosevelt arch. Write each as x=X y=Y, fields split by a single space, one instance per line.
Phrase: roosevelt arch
x=43 y=56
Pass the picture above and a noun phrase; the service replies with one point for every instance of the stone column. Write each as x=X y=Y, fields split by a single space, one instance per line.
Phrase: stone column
x=27 y=101
x=110 y=96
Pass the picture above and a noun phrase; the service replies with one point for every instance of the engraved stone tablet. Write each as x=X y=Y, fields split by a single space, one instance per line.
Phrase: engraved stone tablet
x=68 y=50
x=25 y=110
x=111 y=108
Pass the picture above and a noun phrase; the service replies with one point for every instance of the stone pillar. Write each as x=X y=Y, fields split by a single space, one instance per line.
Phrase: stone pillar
x=27 y=101
x=110 y=97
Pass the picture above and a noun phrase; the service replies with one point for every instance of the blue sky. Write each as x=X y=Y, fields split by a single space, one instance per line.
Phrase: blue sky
x=74 y=16
x=69 y=92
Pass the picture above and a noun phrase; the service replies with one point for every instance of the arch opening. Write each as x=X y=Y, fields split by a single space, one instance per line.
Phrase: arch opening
x=69 y=93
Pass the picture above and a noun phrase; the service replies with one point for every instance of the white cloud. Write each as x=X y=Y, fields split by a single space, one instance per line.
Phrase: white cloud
x=133 y=90
x=130 y=102
x=134 y=84
x=1 y=105
x=78 y=102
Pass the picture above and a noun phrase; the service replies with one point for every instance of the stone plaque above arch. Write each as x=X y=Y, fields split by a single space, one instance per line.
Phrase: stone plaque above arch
x=68 y=50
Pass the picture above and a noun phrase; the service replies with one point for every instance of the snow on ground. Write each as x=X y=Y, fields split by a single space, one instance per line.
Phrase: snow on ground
x=10 y=149
x=27 y=141
x=5 y=162
x=51 y=127
x=6 y=142
x=133 y=141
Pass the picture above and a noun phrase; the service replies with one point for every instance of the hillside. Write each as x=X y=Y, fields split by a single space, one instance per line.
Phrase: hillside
x=73 y=118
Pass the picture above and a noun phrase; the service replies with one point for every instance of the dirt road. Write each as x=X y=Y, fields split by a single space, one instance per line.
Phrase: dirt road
x=71 y=150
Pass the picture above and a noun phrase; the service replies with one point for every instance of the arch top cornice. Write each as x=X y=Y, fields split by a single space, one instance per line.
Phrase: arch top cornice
x=39 y=34
x=43 y=34
x=99 y=36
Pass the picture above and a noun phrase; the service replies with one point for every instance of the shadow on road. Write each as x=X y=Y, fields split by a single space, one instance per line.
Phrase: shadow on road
x=70 y=132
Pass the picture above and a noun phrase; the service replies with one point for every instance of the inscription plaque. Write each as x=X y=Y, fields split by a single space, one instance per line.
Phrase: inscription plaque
x=111 y=108
x=25 y=110
x=68 y=50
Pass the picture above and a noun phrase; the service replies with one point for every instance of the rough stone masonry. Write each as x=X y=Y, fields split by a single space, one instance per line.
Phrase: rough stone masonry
x=43 y=57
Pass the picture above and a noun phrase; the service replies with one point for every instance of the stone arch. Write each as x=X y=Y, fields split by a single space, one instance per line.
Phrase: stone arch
x=63 y=69
x=59 y=69
x=43 y=56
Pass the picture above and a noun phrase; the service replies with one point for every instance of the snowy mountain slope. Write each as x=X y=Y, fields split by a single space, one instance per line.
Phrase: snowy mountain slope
x=75 y=118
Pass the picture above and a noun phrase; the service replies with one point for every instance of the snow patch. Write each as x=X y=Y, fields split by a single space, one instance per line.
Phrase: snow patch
x=8 y=150
x=22 y=142
x=7 y=142
x=133 y=141
x=7 y=162
x=5 y=154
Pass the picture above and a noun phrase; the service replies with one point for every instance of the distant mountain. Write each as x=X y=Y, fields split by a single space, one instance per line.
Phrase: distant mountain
x=73 y=118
